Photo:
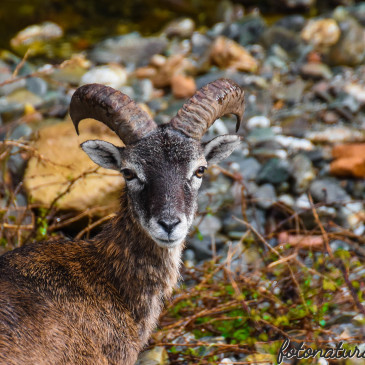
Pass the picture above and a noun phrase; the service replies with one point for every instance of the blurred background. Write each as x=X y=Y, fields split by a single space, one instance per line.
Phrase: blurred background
x=277 y=248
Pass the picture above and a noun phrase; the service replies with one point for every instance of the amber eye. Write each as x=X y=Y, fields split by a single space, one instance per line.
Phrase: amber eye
x=128 y=174
x=200 y=172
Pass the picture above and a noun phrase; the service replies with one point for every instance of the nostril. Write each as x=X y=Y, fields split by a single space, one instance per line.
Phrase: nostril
x=169 y=225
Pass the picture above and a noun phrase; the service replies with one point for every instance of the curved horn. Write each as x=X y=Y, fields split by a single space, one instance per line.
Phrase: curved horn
x=113 y=108
x=211 y=102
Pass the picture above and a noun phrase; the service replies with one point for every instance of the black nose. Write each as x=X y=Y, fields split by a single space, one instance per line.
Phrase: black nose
x=169 y=224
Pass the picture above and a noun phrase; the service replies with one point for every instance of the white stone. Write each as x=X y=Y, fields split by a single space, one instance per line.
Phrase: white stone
x=111 y=75
x=294 y=143
x=258 y=121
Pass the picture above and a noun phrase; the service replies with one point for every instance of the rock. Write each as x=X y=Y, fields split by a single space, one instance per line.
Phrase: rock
x=248 y=30
x=349 y=150
x=142 y=90
x=183 y=86
x=35 y=36
x=72 y=70
x=292 y=92
x=259 y=135
x=339 y=245
x=209 y=226
x=156 y=356
x=202 y=248
x=302 y=202
x=353 y=216
x=349 y=160
x=259 y=121
x=294 y=23
x=287 y=200
x=23 y=97
x=293 y=143
x=286 y=39
x=63 y=161
x=17 y=162
x=336 y=135
x=328 y=191
x=249 y=168
x=349 y=50
x=37 y=86
x=275 y=171
x=357 y=91
x=349 y=167
x=265 y=196
x=227 y=361
x=111 y=75
x=321 y=33
x=316 y=70
x=330 y=117
x=182 y=28
x=200 y=46
x=174 y=65
x=130 y=48
x=302 y=171
x=6 y=74
x=226 y=53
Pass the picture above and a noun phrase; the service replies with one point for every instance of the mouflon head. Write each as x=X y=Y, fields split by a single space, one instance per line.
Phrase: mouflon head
x=162 y=165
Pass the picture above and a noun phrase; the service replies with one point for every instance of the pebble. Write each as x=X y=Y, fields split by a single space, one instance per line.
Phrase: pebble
x=249 y=168
x=142 y=90
x=259 y=121
x=226 y=53
x=316 y=70
x=349 y=50
x=336 y=135
x=183 y=86
x=128 y=49
x=156 y=356
x=285 y=38
x=182 y=28
x=275 y=171
x=328 y=191
x=111 y=75
x=322 y=32
x=287 y=200
x=265 y=196
x=38 y=33
x=293 y=143
x=6 y=74
x=210 y=225
x=302 y=171
x=349 y=160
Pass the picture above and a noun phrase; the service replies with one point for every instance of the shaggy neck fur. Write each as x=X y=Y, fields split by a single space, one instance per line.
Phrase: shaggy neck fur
x=143 y=273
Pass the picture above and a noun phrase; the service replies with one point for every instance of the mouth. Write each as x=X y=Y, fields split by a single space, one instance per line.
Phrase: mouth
x=167 y=243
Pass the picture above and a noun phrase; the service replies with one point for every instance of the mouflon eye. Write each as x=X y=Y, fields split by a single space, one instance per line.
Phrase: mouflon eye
x=200 y=172
x=128 y=174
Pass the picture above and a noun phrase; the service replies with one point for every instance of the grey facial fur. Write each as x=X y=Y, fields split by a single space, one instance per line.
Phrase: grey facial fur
x=161 y=177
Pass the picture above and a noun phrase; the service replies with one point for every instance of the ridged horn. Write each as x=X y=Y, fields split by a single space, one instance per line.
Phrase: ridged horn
x=211 y=102
x=113 y=108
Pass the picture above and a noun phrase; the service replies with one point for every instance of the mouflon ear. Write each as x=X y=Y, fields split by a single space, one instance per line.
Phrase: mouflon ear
x=220 y=147
x=103 y=153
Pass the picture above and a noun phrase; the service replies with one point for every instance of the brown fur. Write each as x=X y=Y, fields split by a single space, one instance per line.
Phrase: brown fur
x=84 y=302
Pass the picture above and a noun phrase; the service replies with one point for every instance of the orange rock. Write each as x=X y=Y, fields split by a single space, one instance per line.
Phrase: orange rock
x=349 y=166
x=349 y=150
x=322 y=32
x=183 y=86
x=226 y=53
x=175 y=64
x=350 y=160
x=145 y=72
